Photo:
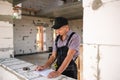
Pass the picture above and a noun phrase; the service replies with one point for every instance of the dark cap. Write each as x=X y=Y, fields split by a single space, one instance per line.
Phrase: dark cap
x=59 y=22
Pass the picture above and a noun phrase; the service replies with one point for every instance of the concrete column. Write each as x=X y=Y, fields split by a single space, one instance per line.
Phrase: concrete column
x=101 y=40
x=6 y=30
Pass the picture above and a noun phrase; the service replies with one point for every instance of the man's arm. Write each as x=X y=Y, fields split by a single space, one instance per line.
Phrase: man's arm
x=51 y=59
x=67 y=60
x=64 y=65
x=48 y=63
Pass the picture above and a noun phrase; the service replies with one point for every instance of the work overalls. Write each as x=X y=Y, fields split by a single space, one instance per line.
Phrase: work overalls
x=71 y=70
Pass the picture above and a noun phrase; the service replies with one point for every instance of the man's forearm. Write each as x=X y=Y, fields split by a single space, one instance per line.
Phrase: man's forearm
x=66 y=61
x=50 y=61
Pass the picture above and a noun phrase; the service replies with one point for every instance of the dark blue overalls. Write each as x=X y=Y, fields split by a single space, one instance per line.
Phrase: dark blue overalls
x=71 y=70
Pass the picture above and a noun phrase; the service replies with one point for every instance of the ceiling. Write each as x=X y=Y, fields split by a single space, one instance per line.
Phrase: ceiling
x=51 y=8
x=15 y=1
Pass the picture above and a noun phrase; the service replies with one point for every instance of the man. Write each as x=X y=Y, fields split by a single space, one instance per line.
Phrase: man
x=65 y=50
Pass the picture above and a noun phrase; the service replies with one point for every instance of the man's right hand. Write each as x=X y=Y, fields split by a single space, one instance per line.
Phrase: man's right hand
x=39 y=68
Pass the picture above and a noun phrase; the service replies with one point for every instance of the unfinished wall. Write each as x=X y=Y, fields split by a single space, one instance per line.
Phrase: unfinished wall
x=77 y=26
x=25 y=32
x=101 y=29
x=6 y=30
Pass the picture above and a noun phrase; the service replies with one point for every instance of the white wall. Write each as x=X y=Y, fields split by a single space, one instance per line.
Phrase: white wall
x=6 y=30
x=6 y=39
x=101 y=29
x=25 y=28
x=101 y=21
x=77 y=26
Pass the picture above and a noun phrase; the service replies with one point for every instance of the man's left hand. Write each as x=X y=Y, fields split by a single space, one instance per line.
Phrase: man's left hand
x=54 y=74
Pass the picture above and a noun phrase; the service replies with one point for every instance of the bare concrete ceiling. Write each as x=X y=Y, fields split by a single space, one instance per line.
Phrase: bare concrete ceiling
x=17 y=1
x=52 y=8
x=14 y=2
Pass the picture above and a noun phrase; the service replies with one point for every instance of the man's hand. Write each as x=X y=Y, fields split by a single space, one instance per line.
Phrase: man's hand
x=39 y=68
x=54 y=74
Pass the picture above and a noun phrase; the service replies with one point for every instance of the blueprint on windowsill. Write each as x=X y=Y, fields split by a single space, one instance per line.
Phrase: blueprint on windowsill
x=44 y=72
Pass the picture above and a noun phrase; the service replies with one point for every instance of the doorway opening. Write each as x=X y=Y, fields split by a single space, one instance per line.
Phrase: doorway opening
x=41 y=39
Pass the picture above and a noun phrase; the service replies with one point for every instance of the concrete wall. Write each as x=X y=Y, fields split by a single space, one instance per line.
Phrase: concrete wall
x=25 y=33
x=6 y=29
x=101 y=29
x=77 y=26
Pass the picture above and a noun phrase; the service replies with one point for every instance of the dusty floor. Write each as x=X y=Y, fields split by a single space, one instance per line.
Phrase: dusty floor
x=37 y=59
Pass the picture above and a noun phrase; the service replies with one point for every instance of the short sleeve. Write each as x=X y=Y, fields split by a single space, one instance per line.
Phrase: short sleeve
x=75 y=42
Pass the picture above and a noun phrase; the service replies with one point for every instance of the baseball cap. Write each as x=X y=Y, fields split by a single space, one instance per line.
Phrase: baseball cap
x=59 y=22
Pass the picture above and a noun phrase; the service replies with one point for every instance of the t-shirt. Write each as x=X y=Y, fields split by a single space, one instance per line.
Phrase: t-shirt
x=74 y=43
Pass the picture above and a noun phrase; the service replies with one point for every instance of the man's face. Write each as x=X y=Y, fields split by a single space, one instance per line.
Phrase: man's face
x=61 y=31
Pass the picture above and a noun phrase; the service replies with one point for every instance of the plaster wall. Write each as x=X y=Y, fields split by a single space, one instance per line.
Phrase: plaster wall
x=101 y=41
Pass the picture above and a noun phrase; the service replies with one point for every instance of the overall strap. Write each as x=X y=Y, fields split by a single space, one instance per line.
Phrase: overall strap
x=56 y=40
x=69 y=38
